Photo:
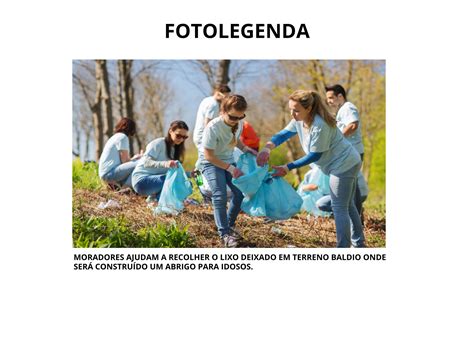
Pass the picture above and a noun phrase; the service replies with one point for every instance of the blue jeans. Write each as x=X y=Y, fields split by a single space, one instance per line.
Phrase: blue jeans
x=348 y=224
x=121 y=174
x=217 y=179
x=324 y=203
x=150 y=185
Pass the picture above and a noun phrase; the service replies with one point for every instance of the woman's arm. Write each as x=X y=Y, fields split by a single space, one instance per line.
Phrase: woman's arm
x=152 y=163
x=307 y=159
x=124 y=156
x=245 y=148
x=211 y=158
x=281 y=137
x=282 y=170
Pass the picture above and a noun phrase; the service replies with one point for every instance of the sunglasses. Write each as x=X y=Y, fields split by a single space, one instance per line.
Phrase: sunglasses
x=236 y=118
x=181 y=136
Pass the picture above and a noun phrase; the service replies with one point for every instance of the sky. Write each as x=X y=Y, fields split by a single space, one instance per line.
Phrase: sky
x=190 y=86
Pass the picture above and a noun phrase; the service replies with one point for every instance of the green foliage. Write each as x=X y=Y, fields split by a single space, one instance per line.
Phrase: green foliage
x=377 y=171
x=85 y=175
x=190 y=157
x=101 y=232
x=376 y=241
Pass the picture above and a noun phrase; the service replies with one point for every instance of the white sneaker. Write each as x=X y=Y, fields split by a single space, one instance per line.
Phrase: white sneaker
x=230 y=241
x=151 y=199
x=236 y=233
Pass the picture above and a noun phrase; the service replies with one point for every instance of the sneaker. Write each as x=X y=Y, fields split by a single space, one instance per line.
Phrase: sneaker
x=151 y=199
x=230 y=241
x=236 y=233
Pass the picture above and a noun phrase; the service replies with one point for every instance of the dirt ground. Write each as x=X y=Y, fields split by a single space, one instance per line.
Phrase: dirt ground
x=302 y=230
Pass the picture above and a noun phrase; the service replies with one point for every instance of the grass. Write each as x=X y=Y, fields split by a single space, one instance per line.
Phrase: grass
x=133 y=225
x=104 y=232
x=86 y=176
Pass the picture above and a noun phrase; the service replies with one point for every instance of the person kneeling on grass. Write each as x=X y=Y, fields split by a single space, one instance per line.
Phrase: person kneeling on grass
x=161 y=154
x=221 y=135
x=115 y=165
x=325 y=204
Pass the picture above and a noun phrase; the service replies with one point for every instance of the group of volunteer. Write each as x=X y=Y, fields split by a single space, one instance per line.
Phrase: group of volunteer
x=235 y=172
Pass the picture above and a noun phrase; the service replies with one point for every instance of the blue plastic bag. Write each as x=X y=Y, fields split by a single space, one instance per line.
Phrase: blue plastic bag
x=253 y=176
x=255 y=205
x=317 y=177
x=264 y=194
x=281 y=200
x=176 y=188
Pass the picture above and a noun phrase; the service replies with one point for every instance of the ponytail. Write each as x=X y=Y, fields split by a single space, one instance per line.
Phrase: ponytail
x=307 y=99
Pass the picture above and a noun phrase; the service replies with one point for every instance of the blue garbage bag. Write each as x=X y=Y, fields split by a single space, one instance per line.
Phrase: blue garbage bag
x=255 y=205
x=281 y=200
x=253 y=176
x=176 y=188
x=317 y=177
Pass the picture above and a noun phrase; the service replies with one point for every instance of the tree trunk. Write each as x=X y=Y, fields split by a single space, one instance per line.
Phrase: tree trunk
x=77 y=151
x=223 y=72
x=86 y=154
x=106 y=101
x=349 y=76
x=317 y=76
x=96 y=113
x=125 y=94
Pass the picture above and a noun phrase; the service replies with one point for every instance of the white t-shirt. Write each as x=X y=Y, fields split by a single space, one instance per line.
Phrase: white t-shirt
x=348 y=114
x=338 y=155
x=110 y=157
x=156 y=150
x=217 y=136
x=209 y=108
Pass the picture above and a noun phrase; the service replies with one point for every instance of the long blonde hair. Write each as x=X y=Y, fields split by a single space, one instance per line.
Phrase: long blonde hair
x=309 y=98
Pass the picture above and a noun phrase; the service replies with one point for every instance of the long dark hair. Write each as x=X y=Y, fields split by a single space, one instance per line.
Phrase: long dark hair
x=126 y=126
x=178 y=148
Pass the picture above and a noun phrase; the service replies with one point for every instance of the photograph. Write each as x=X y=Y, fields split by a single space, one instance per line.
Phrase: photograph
x=228 y=153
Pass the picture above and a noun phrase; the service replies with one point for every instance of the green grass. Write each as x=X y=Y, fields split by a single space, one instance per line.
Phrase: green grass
x=86 y=176
x=376 y=241
x=101 y=232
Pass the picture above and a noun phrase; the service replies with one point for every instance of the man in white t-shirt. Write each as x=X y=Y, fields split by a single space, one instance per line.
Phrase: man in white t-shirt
x=348 y=122
x=207 y=111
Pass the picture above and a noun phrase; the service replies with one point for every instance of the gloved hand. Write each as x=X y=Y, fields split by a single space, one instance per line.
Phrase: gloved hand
x=280 y=170
x=310 y=187
x=235 y=172
x=250 y=150
x=171 y=164
x=263 y=156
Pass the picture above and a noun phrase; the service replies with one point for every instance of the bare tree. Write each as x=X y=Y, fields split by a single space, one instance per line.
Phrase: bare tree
x=125 y=93
x=223 y=72
x=153 y=95
x=105 y=98
x=94 y=104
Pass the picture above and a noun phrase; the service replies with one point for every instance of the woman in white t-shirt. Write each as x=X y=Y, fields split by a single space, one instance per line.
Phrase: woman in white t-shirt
x=115 y=164
x=161 y=154
x=216 y=154
x=326 y=147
